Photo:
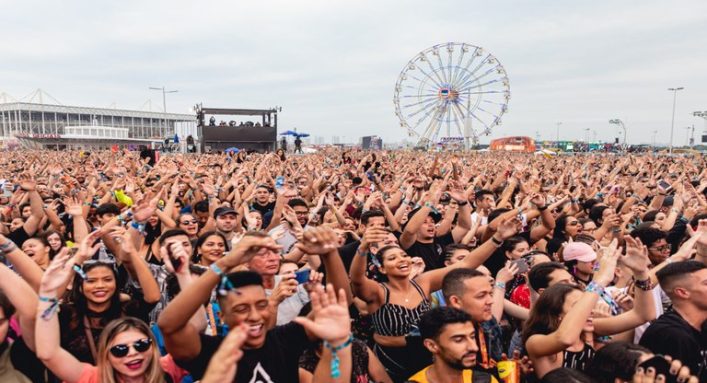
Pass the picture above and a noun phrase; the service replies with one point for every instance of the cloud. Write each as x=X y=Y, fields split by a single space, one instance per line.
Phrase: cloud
x=332 y=65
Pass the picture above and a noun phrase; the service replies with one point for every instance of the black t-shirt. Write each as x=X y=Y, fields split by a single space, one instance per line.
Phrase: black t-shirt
x=431 y=253
x=268 y=207
x=672 y=335
x=276 y=362
x=18 y=236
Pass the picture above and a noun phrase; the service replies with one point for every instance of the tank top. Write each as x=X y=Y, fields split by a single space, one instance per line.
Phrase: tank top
x=578 y=360
x=397 y=320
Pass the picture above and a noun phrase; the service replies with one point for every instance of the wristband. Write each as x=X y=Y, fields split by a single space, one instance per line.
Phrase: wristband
x=140 y=227
x=224 y=285
x=500 y=285
x=53 y=307
x=361 y=253
x=644 y=285
x=429 y=205
x=594 y=287
x=460 y=204
x=542 y=208
x=496 y=241
x=335 y=371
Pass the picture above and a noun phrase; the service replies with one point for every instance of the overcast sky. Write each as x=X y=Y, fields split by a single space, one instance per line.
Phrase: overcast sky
x=332 y=64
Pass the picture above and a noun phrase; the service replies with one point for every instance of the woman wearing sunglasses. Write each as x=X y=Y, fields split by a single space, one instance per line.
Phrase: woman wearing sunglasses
x=126 y=348
x=96 y=298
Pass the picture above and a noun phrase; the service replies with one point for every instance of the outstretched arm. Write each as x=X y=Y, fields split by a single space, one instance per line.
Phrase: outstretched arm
x=539 y=345
x=47 y=335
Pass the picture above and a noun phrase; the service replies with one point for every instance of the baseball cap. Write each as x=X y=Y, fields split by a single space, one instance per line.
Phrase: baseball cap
x=222 y=211
x=435 y=215
x=578 y=251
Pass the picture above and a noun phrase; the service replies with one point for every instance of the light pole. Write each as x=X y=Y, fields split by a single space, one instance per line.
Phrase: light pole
x=558 y=134
x=164 y=103
x=621 y=125
x=672 y=124
x=655 y=132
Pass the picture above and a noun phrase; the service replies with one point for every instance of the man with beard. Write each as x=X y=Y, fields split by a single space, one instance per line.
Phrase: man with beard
x=449 y=335
x=226 y=222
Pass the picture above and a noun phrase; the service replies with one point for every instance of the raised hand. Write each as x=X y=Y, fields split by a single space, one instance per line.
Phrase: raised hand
x=58 y=273
x=72 y=206
x=144 y=210
x=372 y=235
x=701 y=232
x=607 y=265
x=538 y=200
x=246 y=248
x=88 y=247
x=222 y=367
x=508 y=227
x=636 y=257
x=320 y=240
x=178 y=253
x=285 y=289
x=331 y=316
x=507 y=273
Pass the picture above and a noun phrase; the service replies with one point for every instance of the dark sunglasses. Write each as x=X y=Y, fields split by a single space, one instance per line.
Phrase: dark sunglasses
x=120 y=350
x=187 y=222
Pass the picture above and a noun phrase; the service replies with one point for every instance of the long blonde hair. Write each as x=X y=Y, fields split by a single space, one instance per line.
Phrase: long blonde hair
x=153 y=373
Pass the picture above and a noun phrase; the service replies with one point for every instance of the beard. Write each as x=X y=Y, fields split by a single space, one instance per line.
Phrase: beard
x=458 y=363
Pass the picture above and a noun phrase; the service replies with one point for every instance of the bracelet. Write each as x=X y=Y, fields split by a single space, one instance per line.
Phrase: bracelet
x=224 y=284
x=53 y=307
x=217 y=270
x=429 y=205
x=594 y=287
x=542 y=208
x=500 y=285
x=361 y=253
x=644 y=285
x=140 y=227
x=335 y=371
x=496 y=241
x=460 y=204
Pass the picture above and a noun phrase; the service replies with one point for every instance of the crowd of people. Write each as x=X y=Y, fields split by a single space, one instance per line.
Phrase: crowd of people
x=352 y=266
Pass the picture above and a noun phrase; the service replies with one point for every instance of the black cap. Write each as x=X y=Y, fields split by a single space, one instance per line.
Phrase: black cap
x=223 y=210
x=436 y=216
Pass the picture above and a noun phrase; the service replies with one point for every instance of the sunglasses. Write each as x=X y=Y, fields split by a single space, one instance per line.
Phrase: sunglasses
x=193 y=222
x=120 y=350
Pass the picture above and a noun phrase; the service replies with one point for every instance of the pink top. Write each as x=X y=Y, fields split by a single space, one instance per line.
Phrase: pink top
x=89 y=374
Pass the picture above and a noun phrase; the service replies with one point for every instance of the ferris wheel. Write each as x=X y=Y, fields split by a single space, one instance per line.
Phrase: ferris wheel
x=451 y=90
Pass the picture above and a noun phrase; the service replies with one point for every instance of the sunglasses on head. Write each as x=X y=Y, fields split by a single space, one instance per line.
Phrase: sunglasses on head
x=120 y=350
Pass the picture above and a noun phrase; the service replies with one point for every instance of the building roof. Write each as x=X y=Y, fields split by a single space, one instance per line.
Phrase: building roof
x=36 y=107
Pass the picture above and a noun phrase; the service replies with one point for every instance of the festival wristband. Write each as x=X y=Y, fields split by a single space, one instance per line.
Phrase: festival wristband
x=335 y=370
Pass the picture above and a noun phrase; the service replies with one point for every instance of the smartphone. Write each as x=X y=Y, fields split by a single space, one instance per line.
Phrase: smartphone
x=661 y=366
x=302 y=276
x=522 y=264
x=665 y=186
x=279 y=182
x=176 y=262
